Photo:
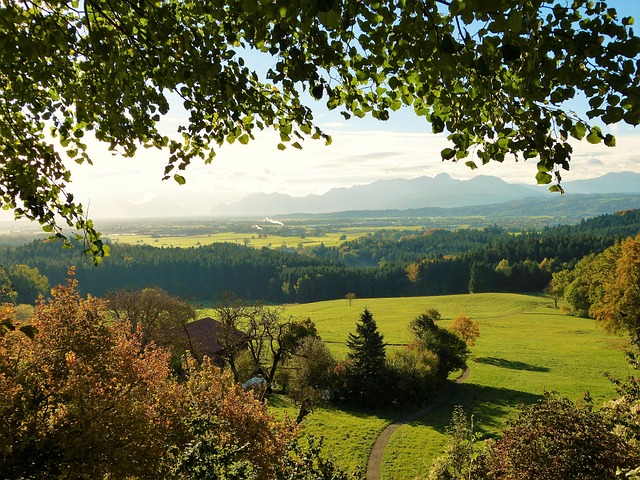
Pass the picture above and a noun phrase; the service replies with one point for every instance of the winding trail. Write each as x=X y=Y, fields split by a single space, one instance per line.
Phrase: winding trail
x=375 y=457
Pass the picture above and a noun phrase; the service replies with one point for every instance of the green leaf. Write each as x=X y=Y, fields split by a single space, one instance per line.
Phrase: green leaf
x=325 y=5
x=515 y=21
x=330 y=19
x=594 y=136
x=317 y=91
x=448 y=44
x=437 y=124
x=579 y=130
x=457 y=6
x=543 y=178
x=448 y=153
x=243 y=139
x=510 y=52
x=610 y=140
x=595 y=102
x=250 y=6
x=180 y=179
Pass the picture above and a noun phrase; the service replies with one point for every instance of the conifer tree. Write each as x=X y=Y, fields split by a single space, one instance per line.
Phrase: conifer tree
x=367 y=358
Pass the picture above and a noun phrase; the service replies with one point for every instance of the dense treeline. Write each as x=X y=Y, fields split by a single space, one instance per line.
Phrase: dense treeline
x=402 y=247
x=441 y=262
x=382 y=264
x=205 y=272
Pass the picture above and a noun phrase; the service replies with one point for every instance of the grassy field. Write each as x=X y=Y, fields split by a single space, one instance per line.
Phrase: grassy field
x=526 y=348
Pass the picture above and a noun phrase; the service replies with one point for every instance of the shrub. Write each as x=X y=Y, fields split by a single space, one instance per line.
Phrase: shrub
x=413 y=372
x=451 y=350
x=557 y=439
x=462 y=459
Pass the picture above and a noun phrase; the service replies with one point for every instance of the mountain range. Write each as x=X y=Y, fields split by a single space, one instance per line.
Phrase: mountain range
x=440 y=191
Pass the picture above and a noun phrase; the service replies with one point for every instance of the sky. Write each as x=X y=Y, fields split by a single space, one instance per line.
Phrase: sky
x=363 y=151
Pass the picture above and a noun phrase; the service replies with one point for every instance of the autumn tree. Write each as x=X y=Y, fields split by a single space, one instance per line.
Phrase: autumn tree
x=465 y=328
x=497 y=79
x=413 y=272
x=619 y=308
x=350 y=296
x=86 y=399
x=589 y=276
x=232 y=429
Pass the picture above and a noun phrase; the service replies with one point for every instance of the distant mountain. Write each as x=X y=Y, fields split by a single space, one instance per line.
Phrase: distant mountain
x=558 y=209
x=440 y=191
x=618 y=182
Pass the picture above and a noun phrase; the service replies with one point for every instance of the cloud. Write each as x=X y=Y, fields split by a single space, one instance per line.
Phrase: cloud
x=373 y=156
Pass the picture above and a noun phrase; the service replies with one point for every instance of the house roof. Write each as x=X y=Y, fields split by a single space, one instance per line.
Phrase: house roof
x=210 y=336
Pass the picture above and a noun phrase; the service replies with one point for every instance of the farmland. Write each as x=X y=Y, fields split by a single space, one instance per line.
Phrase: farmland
x=331 y=238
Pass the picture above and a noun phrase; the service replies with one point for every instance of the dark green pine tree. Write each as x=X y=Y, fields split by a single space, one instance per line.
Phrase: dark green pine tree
x=367 y=370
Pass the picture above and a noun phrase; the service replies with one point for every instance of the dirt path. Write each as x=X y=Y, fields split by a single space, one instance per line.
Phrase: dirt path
x=375 y=457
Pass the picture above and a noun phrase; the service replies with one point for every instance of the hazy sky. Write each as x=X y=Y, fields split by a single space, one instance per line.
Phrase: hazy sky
x=362 y=151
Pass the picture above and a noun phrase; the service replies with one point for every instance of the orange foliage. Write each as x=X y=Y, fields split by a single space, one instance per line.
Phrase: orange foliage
x=413 y=272
x=619 y=308
x=86 y=399
x=465 y=328
x=242 y=419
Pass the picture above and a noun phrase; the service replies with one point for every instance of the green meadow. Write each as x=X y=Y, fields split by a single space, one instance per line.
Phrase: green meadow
x=526 y=347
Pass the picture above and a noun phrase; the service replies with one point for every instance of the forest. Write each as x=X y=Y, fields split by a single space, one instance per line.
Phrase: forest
x=387 y=263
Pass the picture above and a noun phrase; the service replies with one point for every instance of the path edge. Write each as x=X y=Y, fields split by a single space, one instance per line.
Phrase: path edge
x=374 y=463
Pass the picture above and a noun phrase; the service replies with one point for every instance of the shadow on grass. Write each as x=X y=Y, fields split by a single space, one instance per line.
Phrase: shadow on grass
x=388 y=414
x=488 y=405
x=283 y=402
x=510 y=364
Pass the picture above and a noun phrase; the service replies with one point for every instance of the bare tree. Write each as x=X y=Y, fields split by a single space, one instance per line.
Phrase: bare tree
x=163 y=318
x=350 y=296
x=269 y=335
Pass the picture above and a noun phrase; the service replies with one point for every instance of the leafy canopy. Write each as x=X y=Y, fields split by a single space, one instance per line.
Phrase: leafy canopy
x=494 y=75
